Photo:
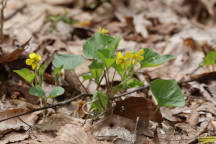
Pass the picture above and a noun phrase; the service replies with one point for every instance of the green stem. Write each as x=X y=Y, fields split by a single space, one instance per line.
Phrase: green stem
x=100 y=80
x=35 y=77
x=113 y=79
x=85 y=89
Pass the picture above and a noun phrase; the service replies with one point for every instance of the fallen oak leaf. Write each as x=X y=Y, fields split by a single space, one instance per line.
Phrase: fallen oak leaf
x=141 y=107
x=15 y=54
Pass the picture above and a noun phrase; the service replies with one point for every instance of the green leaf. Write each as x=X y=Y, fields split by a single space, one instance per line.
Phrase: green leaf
x=96 y=70
x=26 y=74
x=41 y=71
x=167 y=93
x=87 y=76
x=57 y=91
x=37 y=91
x=100 y=101
x=98 y=42
x=57 y=73
x=210 y=59
x=119 y=69
x=134 y=83
x=68 y=61
x=152 y=59
x=106 y=56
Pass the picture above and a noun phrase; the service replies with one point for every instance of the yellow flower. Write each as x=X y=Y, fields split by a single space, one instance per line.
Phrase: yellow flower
x=102 y=30
x=135 y=56
x=33 y=60
x=122 y=60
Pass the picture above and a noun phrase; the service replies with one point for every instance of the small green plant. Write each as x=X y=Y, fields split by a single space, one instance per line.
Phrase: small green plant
x=58 y=17
x=35 y=79
x=54 y=19
x=101 y=50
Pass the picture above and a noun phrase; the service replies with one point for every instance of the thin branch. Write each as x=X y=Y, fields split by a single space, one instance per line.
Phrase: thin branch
x=3 y=5
x=14 y=12
x=135 y=130
x=46 y=107
x=81 y=95
x=25 y=122
x=100 y=80
x=133 y=91
x=147 y=87
x=85 y=89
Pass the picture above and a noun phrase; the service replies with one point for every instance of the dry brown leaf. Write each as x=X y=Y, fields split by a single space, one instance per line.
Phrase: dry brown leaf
x=15 y=54
x=120 y=129
x=16 y=123
x=24 y=91
x=74 y=134
x=193 y=118
x=53 y=123
x=141 y=107
x=14 y=137
x=60 y=2
x=73 y=80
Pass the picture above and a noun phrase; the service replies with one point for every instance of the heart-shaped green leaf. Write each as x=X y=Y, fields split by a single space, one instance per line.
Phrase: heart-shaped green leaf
x=210 y=59
x=37 y=91
x=68 y=61
x=98 y=42
x=152 y=59
x=167 y=93
x=57 y=91
x=26 y=74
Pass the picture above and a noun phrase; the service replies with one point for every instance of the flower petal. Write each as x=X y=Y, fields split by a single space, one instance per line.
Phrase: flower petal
x=29 y=61
x=128 y=55
x=37 y=65
x=140 y=52
x=33 y=66
x=119 y=55
x=140 y=57
x=32 y=55
x=102 y=30
x=38 y=57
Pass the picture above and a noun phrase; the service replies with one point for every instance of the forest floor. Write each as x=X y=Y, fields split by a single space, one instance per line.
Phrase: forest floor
x=184 y=28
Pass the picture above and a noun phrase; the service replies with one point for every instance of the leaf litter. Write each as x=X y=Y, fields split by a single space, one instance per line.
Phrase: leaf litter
x=168 y=27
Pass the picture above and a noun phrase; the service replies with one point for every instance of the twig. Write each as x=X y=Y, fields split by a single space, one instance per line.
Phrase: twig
x=147 y=87
x=14 y=12
x=46 y=107
x=135 y=130
x=3 y=5
x=100 y=80
x=135 y=90
x=25 y=122
x=81 y=95
x=85 y=89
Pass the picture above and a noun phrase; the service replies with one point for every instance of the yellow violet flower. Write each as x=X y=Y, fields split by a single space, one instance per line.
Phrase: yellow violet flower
x=135 y=56
x=102 y=30
x=33 y=60
x=122 y=60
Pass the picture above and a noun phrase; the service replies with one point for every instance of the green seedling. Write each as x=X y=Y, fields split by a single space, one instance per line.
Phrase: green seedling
x=32 y=78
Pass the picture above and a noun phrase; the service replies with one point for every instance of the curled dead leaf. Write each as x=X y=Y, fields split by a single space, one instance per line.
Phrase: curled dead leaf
x=15 y=54
x=141 y=107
